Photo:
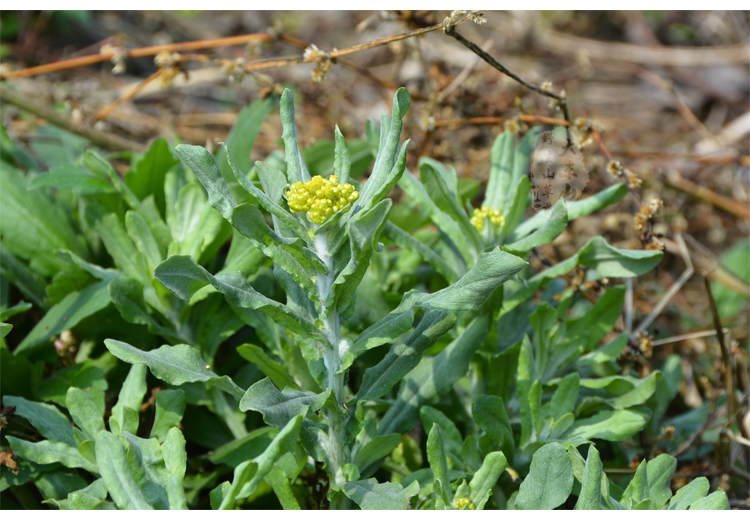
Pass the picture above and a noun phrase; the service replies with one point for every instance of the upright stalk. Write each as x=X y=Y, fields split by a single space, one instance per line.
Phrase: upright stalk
x=332 y=358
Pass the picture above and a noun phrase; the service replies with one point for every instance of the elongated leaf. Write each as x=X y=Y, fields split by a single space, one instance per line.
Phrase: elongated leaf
x=295 y=166
x=282 y=488
x=576 y=209
x=371 y=495
x=716 y=501
x=245 y=130
x=278 y=408
x=84 y=375
x=374 y=451
x=548 y=231
x=615 y=425
x=390 y=162
x=72 y=177
x=342 y=162
x=184 y=277
x=660 y=471
x=32 y=225
x=174 y=364
x=490 y=414
x=131 y=397
x=275 y=371
x=84 y=412
x=407 y=241
x=249 y=474
x=481 y=485
x=46 y=452
x=501 y=167
x=432 y=378
x=146 y=177
x=438 y=460
x=65 y=315
x=46 y=418
x=112 y=458
x=689 y=494
x=590 y=497
x=204 y=166
x=403 y=357
x=549 y=482
x=170 y=405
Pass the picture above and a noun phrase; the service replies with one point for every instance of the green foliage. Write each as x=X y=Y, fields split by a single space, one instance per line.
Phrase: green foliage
x=181 y=308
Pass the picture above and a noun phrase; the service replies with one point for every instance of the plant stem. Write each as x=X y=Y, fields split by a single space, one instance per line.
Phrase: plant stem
x=331 y=357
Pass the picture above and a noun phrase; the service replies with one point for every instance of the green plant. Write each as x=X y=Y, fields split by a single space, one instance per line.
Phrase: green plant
x=283 y=336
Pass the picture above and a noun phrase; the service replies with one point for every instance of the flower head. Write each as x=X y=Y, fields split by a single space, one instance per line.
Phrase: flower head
x=321 y=198
x=477 y=219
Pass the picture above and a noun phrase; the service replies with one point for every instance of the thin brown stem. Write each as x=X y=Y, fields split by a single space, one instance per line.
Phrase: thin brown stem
x=103 y=139
x=104 y=112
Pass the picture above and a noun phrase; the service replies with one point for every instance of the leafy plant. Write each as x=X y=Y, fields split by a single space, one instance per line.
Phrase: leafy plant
x=354 y=332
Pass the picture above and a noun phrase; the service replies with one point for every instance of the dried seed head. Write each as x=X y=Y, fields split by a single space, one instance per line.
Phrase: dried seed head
x=118 y=57
x=314 y=54
x=547 y=86
x=614 y=168
x=512 y=126
x=633 y=180
x=321 y=70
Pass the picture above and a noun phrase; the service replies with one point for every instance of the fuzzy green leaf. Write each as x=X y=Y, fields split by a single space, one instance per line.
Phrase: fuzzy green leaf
x=549 y=482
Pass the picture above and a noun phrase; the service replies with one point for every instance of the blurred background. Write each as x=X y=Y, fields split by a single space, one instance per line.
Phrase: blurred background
x=669 y=89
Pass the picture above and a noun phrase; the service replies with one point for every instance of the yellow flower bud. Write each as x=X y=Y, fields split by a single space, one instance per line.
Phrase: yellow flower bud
x=321 y=198
x=477 y=219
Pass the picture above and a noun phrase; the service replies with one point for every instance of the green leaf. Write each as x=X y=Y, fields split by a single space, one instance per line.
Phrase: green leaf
x=433 y=378
x=282 y=488
x=371 y=495
x=490 y=414
x=5 y=329
x=46 y=452
x=127 y=294
x=131 y=397
x=170 y=405
x=716 y=501
x=204 y=166
x=549 y=482
x=590 y=497
x=481 y=485
x=451 y=435
x=616 y=425
x=144 y=240
x=121 y=248
x=516 y=206
x=296 y=169
x=65 y=315
x=577 y=209
x=498 y=186
x=146 y=176
x=57 y=484
x=689 y=494
x=248 y=475
x=660 y=471
x=403 y=357
x=638 y=489
x=112 y=459
x=390 y=162
x=184 y=277
x=74 y=178
x=600 y=320
x=368 y=456
x=84 y=412
x=407 y=241
x=46 y=418
x=275 y=371
x=342 y=162
x=33 y=225
x=565 y=397
x=438 y=460
x=174 y=364
x=245 y=130
x=195 y=227
x=549 y=231
x=278 y=408
x=85 y=376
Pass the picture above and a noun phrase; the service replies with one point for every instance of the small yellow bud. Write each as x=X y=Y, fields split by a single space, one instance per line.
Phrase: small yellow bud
x=477 y=219
x=460 y=503
x=321 y=198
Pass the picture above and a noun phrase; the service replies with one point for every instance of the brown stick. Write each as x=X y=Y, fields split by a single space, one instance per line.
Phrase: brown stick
x=103 y=139
x=498 y=120
x=673 y=179
x=137 y=52
x=104 y=112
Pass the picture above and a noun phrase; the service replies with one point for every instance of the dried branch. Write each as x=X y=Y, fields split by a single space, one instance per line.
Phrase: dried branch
x=103 y=139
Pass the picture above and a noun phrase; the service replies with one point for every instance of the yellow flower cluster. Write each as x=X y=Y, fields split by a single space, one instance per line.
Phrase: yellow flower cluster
x=321 y=198
x=463 y=502
x=477 y=219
